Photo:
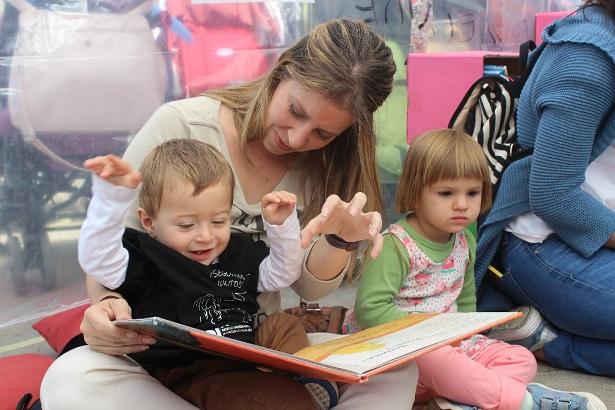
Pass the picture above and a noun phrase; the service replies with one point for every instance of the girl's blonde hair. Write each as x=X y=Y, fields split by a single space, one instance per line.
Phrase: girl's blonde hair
x=181 y=159
x=349 y=65
x=439 y=155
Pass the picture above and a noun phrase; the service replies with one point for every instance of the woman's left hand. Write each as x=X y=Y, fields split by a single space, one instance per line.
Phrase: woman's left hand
x=346 y=220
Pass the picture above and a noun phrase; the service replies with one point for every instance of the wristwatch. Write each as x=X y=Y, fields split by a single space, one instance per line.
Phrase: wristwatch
x=339 y=243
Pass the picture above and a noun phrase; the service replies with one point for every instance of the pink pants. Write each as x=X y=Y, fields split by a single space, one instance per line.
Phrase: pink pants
x=495 y=378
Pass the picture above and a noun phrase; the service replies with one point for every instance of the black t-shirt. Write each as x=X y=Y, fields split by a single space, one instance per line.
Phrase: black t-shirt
x=220 y=298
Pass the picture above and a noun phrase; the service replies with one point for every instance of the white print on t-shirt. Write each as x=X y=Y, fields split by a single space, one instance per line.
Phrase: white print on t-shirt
x=237 y=296
x=215 y=331
x=227 y=279
x=209 y=307
x=229 y=330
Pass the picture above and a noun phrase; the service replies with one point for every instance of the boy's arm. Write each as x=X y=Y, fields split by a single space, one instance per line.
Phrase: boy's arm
x=466 y=301
x=381 y=281
x=100 y=250
x=285 y=261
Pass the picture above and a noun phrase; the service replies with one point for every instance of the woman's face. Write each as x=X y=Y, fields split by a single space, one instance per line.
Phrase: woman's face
x=301 y=120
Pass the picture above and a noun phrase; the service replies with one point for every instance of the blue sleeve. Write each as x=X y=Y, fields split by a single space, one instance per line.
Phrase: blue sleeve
x=573 y=96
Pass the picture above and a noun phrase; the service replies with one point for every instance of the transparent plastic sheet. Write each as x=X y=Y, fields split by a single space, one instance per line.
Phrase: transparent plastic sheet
x=508 y=27
x=78 y=94
x=42 y=202
x=217 y=44
x=431 y=25
x=82 y=94
x=456 y=25
x=42 y=205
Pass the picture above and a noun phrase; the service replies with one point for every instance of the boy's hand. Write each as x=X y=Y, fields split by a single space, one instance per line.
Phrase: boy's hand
x=115 y=170
x=277 y=206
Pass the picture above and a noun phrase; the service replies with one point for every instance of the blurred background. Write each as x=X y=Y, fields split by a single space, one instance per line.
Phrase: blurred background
x=67 y=94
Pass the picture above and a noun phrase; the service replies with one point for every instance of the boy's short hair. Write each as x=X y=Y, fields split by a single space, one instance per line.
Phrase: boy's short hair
x=186 y=159
x=439 y=155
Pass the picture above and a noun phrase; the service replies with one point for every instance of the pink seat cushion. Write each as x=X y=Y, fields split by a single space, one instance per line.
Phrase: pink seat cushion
x=21 y=374
x=60 y=328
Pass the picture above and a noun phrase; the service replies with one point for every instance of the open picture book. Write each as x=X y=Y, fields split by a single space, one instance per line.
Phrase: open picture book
x=349 y=359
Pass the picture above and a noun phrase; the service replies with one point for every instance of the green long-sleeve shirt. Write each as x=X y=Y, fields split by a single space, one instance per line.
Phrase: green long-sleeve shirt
x=384 y=276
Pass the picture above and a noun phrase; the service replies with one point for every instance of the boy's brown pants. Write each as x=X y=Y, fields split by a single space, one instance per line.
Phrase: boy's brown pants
x=220 y=383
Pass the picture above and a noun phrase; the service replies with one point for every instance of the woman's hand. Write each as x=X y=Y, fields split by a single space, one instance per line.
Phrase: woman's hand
x=346 y=220
x=102 y=335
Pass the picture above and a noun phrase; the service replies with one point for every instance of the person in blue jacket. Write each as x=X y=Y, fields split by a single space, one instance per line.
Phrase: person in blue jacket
x=553 y=219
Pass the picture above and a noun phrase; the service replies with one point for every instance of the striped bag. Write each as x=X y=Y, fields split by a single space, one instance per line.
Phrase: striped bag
x=488 y=112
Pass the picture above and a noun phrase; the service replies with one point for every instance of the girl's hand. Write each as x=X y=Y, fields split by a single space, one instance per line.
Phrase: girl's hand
x=348 y=221
x=277 y=206
x=102 y=335
x=115 y=170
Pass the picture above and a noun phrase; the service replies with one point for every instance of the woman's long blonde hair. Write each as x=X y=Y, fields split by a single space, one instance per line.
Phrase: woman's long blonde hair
x=349 y=65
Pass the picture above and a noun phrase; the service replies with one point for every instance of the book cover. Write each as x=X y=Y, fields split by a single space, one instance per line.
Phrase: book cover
x=348 y=359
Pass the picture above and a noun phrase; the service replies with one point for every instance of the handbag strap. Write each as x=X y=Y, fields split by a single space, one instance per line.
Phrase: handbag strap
x=34 y=141
x=29 y=136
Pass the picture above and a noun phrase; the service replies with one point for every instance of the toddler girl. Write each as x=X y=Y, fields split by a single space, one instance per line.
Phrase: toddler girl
x=427 y=265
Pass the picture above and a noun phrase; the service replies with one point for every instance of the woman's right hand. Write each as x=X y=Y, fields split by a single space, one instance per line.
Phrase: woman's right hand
x=102 y=335
x=346 y=220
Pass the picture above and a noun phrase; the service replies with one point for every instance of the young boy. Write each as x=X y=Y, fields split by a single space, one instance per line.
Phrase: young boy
x=187 y=266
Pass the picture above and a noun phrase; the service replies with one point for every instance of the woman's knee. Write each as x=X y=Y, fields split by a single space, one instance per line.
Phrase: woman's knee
x=78 y=375
x=64 y=385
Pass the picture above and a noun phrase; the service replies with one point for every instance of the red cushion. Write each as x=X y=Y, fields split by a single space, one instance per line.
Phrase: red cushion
x=21 y=374
x=60 y=328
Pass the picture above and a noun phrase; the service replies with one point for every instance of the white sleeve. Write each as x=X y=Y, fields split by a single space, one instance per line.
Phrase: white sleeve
x=100 y=250
x=285 y=261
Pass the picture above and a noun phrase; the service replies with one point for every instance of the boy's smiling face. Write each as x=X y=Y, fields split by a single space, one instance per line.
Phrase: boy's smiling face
x=197 y=226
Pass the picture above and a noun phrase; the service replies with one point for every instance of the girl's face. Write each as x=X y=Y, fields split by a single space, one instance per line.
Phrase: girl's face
x=301 y=120
x=447 y=207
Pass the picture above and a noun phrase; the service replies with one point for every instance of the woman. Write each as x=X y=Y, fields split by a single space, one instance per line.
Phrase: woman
x=555 y=209
x=306 y=127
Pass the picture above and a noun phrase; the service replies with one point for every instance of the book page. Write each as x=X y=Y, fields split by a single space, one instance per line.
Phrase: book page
x=375 y=347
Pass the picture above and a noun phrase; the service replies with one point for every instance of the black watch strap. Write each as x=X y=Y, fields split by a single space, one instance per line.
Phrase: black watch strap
x=339 y=243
